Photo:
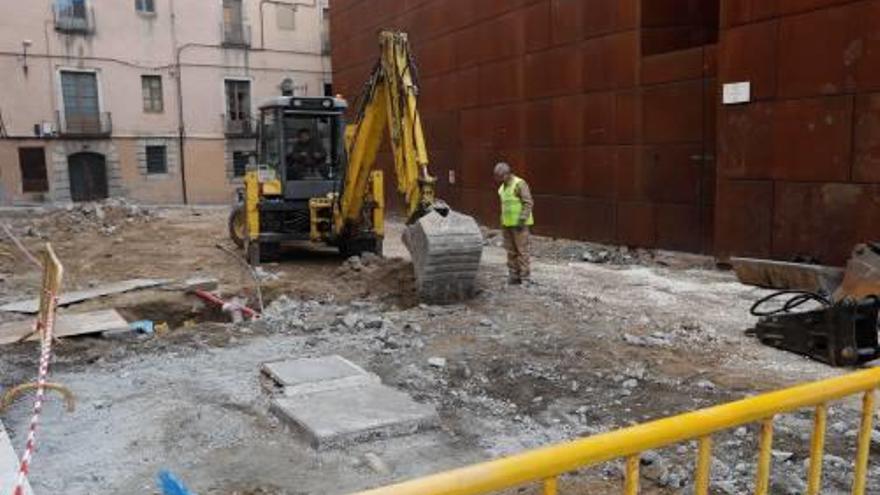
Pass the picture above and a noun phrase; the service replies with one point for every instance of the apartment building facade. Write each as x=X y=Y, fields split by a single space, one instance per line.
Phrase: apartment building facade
x=152 y=100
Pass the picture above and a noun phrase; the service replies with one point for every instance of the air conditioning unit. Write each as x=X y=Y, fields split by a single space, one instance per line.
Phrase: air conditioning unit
x=49 y=129
x=45 y=129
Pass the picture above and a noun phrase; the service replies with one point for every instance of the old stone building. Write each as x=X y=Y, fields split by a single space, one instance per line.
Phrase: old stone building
x=153 y=100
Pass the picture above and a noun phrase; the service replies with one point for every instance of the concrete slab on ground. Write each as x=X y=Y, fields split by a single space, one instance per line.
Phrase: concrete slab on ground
x=9 y=465
x=32 y=306
x=335 y=418
x=306 y=376
x=66 y=325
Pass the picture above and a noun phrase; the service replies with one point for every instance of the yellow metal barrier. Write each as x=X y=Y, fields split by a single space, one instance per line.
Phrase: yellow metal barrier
x=547 y=464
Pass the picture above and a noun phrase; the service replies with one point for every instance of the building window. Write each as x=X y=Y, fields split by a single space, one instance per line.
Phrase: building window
x=325 y=31
x=152 y=86
x=240 y=161
x=285 y=17
x=235 y=33
x=79 y=91
x=157 y=160
x=238 y=106
x=145 y=6
x=33 y=170
x=73 y=16
x=328 y=89
x=71 y=9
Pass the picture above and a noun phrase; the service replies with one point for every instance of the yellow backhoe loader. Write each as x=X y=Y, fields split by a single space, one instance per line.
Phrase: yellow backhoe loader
x=315 y=180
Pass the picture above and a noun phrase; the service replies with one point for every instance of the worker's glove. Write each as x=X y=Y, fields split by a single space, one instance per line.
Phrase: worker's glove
x=522 y=224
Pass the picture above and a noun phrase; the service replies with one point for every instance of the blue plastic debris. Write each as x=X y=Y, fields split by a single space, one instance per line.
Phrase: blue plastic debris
x=144 y=327
x=170 y=485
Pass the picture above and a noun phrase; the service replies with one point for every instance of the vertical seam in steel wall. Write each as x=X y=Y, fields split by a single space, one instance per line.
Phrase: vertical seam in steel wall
x=703 y=156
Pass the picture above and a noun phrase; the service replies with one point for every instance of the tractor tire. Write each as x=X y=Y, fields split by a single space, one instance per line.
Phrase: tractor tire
x=237 y=225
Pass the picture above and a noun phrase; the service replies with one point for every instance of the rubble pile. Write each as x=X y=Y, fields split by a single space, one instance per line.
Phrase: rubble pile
x=105 y=216
x=590 y=252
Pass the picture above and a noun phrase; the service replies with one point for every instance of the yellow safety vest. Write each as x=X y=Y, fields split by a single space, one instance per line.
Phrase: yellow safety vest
x=511 y=204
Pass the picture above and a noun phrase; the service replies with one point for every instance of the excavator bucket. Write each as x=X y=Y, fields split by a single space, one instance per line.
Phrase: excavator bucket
x=446 y=247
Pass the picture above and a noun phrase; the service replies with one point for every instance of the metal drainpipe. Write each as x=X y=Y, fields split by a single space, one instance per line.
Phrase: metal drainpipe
x=181 y=128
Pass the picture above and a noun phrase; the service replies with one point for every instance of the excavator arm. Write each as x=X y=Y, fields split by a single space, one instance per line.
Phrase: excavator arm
x=389 y=101
x=445 y=245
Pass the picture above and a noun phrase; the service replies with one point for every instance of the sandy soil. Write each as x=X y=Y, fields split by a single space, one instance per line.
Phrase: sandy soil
x=590 y=348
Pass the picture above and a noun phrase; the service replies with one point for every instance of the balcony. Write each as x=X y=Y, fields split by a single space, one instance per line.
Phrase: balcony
x=85 y=126
x=73 y=17
x=235 y=34
x=239 y=127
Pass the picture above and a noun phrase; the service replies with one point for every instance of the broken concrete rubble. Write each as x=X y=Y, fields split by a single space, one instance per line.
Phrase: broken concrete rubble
x=550 y=368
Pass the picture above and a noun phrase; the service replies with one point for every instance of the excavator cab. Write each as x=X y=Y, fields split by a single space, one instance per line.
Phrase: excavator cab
x=301 y=139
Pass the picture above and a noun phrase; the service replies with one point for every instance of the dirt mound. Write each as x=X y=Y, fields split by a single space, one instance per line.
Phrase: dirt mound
x=390 y=280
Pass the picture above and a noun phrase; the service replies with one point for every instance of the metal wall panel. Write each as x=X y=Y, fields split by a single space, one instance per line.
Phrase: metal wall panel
x=744 y=218
x=674 y=172
x=866 y=165
x=817 y=220
x=745 y=141
x=556 y=71
x=749 y=54
x=735 y=12
x=679 y=227
x=636 y=224
x=812 y=139
x=819 y=51
x=599 y=118
x=599 y=173
x=673 y=113
x=502 y=82
x=673 y=66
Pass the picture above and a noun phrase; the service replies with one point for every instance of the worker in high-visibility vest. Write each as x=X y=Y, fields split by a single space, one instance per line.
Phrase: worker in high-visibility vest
x=516 y=219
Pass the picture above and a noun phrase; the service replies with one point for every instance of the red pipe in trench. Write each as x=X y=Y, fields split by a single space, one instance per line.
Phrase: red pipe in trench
x=226 y=306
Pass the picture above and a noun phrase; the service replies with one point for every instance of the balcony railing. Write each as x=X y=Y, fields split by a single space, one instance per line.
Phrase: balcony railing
x=73 y=17
x=239 y=127
x=85 y=125
x=325 y=41
x=235 y=34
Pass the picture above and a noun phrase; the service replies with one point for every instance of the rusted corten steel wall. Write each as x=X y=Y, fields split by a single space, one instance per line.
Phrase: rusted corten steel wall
x=617 y=144
x=799 y=166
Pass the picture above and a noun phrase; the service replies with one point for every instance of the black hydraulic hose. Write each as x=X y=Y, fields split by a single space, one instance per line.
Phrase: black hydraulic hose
x=797 y=299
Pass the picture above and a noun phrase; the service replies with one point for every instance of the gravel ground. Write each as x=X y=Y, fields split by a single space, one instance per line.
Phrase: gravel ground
x=591 y=347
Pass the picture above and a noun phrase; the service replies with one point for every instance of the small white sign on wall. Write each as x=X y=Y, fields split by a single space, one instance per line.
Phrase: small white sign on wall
x=452 y=176
x=736 y=93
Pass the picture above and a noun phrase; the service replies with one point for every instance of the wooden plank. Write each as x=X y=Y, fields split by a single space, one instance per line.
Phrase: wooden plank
x=787 y=276
x=9 y=465
x=32 y=306
x=66 y=325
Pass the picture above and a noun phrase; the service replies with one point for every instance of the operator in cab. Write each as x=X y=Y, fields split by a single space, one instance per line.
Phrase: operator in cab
x=516 y=220
x=307 y=159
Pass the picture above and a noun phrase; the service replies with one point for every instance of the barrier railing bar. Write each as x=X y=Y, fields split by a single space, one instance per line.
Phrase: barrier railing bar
x=765 y=455
x=704 y=466
x=551 y=486
x=632 y=475
x=864 y=448
x=817 y=450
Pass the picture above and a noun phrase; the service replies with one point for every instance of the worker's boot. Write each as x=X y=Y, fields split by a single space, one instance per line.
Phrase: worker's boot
x=514 y=279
